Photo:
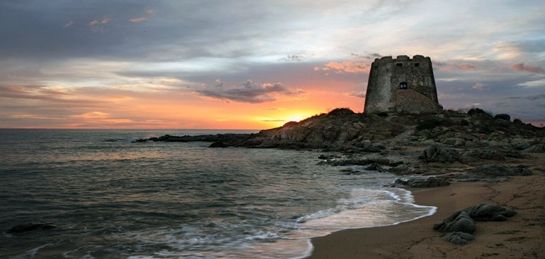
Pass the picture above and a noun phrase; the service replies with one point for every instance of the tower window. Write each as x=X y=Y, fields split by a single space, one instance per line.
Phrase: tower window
x=416 y=64
x=403 y=85
x=399 y=64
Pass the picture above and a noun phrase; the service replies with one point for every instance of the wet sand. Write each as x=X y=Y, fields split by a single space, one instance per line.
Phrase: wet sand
x=522 y=236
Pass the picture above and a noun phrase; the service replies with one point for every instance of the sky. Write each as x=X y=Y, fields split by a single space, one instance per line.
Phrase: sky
x=255 y=64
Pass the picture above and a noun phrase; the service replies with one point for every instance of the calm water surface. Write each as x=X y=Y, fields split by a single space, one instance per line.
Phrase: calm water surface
x=112 y=198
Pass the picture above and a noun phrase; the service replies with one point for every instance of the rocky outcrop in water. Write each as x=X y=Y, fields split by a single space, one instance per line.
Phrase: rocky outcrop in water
x=344 y=130
x=450 y=142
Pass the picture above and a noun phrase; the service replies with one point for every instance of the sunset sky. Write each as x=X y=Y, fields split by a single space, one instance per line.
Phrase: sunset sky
x=255 y=64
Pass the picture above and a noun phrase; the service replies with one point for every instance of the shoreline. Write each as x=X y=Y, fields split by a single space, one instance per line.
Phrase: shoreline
x=520 y=236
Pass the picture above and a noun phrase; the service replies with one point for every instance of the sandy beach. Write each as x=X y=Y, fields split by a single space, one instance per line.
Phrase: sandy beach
x=522 y=236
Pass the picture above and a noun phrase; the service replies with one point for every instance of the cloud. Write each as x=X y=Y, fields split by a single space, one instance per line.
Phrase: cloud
x=93 y=115
x=43 y=93
x=451 y=66
x=248 y=92
x=521 y=67
x=531 y=97
x=478 y=86
x=148 y=14
x=533 y=84
x=68 y=24
x=347 y=66
x=97 y=117
x=357 y=94
x=100 y=22
x=293 y=58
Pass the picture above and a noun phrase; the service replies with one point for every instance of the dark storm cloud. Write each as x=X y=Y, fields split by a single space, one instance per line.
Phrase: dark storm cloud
x=249 y=92
x=119 y=29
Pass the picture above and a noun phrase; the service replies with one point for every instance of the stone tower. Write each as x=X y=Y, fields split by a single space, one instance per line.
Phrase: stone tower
x=402 y=85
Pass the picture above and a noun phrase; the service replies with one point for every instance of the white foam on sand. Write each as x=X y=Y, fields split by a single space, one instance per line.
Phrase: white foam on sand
x=365 y=208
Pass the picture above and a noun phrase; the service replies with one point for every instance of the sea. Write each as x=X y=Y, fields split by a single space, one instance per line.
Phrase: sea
x=111 y=198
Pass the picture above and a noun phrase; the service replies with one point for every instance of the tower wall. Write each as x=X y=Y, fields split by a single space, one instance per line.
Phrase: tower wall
x=402 y=85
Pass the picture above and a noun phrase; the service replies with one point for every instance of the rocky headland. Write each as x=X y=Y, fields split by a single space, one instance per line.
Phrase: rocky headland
x=466 y=145
x=425 y=150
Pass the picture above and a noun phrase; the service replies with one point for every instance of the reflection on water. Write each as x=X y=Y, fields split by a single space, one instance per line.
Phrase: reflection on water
x=109 y=197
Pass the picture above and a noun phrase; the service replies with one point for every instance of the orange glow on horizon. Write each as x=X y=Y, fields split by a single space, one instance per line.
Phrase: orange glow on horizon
x=124 y=109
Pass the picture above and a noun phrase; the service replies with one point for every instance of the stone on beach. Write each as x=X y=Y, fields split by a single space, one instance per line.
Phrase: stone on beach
x=457 y=222
x=460 y=226
x=423 y=182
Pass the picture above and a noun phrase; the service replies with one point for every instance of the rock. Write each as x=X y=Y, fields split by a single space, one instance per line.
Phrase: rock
x=458 y=142
x=478 y=113
x=460 y=226
x=499 y=153
x=218 y=144
x=422 y=182
x=374 y=167
x=536 y=148
x=328 y=157
x=341 y=112
x=30 y=227
x=502 y=117
x=457 y=222
x=367 y=146
x=458 y=238
x=500 y=170
x=435 y=153
x=403 y=170
x=350 y=171
x=490 y=212
x=364 y=161
x=521 y=145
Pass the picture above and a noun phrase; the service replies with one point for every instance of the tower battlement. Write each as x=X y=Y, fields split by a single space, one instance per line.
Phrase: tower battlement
x=402 y=84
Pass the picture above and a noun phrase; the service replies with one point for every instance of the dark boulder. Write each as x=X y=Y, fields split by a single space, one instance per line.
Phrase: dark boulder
x=341 y=112
x=369 y=147
x=363 y=161
x=490 y=212
x=350 y=171
x=478 y=113
x=422 y=182
x=460 y=226
x=218 y=144
x=22 y=228
x=435 y=153
x=328 y=157
x=497 y=170
x=458 y=238
x=536 y=148
x=457 y=222
x=375 y=167
x=491 y=153
x=502 y=117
